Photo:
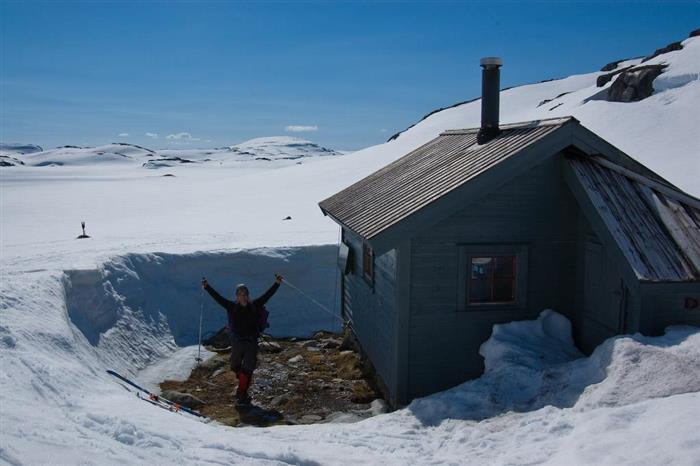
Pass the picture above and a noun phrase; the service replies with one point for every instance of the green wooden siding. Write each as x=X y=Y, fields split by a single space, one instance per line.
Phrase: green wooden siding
x=535 y=210
x=371 y=310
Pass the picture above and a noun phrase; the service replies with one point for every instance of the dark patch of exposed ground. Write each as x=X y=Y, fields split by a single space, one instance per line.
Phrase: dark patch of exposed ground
x=298 y=381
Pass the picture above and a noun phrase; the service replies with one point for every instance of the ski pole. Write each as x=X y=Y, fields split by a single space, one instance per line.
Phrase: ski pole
x=201 y=313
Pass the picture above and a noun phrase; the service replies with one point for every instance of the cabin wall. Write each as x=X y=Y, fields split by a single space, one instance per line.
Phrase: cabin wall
x=606 y=303
x=668 y=304
x=371 y=310
x=536 y=211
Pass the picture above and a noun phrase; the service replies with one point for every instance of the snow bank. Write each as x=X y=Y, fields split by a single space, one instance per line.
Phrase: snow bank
x=534 y=344
x=682 y=66
x=636 y=400
x=138 y=308
x=533 y=364
x=177 y=366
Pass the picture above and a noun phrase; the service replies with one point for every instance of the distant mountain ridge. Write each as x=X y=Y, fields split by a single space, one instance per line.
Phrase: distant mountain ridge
x=267 y=149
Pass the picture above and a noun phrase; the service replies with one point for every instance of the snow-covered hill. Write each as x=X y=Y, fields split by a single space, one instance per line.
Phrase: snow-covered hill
x=128 y=297
x=281 y=147
x=10 y=153
x=18 y=149
x=117 y=153
x=660 y=131
x=260 y=149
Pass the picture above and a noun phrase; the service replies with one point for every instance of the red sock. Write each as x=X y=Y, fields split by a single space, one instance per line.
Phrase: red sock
x=243 y=384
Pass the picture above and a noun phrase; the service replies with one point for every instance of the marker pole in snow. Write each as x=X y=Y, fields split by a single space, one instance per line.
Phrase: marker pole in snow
x=201 y=313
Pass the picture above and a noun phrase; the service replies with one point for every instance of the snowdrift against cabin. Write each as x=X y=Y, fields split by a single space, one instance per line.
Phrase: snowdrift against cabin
x=531 y=365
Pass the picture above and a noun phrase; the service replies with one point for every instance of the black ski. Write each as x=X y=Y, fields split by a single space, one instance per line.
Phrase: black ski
x=156 y=399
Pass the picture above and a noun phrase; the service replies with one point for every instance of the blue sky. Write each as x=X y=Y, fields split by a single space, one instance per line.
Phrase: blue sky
x=353 y=72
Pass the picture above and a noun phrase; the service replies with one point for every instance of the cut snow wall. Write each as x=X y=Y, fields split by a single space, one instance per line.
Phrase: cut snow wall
x=139 y=307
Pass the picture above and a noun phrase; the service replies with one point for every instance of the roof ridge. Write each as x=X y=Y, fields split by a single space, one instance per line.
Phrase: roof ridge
x=518 y=125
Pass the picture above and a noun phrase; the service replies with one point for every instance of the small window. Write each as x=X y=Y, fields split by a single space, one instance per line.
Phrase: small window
x=493 y=280
x=367 y=263
x=492 y=276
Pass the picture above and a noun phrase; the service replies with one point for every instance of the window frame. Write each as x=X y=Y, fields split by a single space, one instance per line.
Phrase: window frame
x=469 y=251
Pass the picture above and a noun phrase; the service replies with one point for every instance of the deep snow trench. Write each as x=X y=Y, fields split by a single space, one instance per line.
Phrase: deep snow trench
x=139 y=308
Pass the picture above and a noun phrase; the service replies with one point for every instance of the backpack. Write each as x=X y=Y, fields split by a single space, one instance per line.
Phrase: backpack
x=263 y=316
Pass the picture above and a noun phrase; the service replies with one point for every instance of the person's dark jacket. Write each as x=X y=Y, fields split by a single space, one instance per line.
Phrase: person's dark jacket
x=243 y=321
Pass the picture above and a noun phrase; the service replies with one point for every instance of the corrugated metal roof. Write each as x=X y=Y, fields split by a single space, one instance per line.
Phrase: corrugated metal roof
x=410 y=183
x=656 y=227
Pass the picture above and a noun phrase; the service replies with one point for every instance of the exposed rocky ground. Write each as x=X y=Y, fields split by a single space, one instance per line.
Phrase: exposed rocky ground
x=298 y=381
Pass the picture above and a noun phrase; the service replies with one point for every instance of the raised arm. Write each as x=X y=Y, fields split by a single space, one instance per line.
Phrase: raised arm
x=270 y=292
x=217 y=297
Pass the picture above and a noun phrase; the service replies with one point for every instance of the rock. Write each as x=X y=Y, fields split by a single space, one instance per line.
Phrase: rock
x=221 y=339
x=308 y=343
x=342 y=418
x=270 y=347
x=634 y=84
x=295 y=359
x=378 y=406
x=280 y=400
x=348 y=342
x=603 y=79
x=214 y=363
x=7 y=161
x=694 y=33
x=348 y=365
x=217 y=373
x=612 y=65
x=669 y=48
x=184 y=399
x=330 y=343
x=362 y=393
x=310 y=418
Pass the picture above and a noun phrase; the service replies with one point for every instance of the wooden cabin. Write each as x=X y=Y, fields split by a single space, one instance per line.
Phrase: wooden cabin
x=469 y=231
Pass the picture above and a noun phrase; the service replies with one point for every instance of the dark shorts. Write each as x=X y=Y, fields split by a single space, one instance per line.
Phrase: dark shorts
x=244 y=355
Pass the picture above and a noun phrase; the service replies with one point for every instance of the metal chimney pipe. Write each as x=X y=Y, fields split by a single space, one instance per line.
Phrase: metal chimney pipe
x=490 y=90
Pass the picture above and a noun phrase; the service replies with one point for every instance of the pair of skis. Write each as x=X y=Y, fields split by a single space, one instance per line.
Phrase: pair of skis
x=154 y=399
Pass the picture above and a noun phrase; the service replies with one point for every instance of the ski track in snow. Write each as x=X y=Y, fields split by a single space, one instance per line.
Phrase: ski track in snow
x=128 y=298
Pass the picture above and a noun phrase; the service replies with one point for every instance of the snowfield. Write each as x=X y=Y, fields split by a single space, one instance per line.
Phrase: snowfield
x=128 y=299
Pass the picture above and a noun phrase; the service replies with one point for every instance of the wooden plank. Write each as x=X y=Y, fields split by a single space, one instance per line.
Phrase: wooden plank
x=634 y=230
x=668 y=190
x=681 y=226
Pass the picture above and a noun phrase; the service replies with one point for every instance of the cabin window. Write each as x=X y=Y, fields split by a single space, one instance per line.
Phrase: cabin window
x=492 y=276
x=367 y=263
x=492 y=280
